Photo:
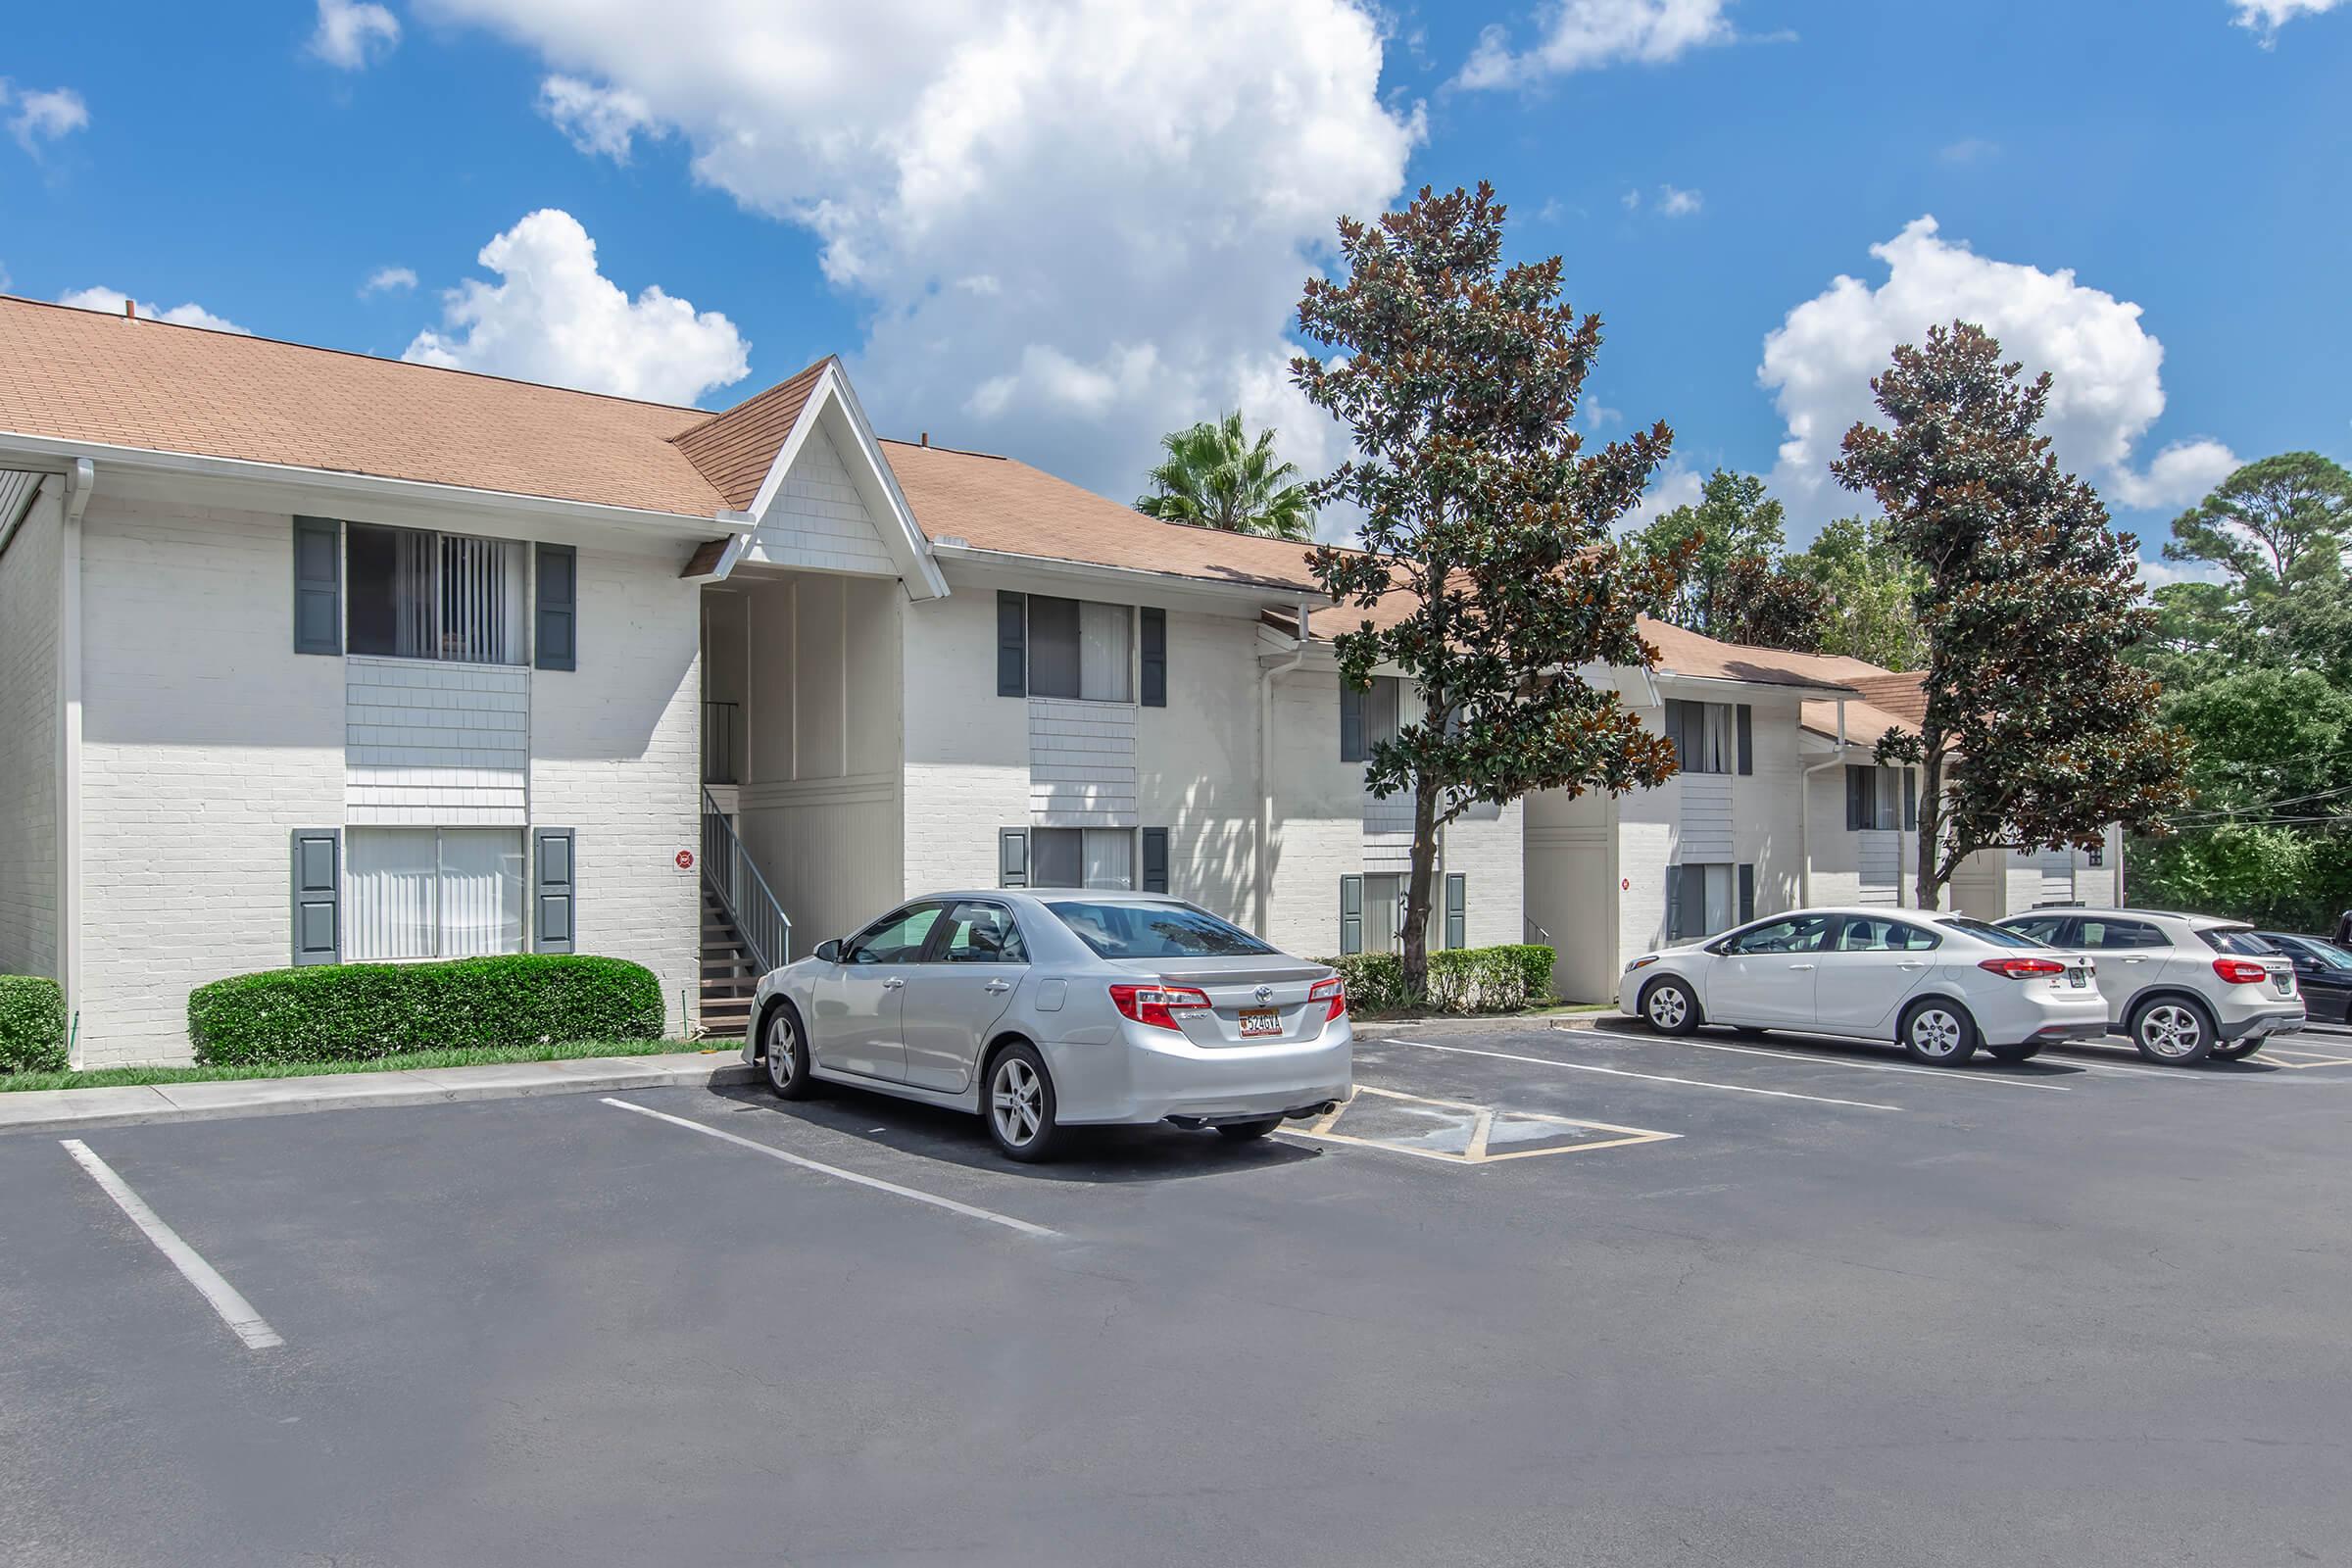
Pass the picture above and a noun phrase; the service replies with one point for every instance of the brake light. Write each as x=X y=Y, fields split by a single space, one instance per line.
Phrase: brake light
x=1157 y=1006
x=1333 y=991
x=2241 y=971
x=2021 y=969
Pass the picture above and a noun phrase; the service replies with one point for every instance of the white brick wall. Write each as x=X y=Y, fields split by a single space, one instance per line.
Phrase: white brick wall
x=1197 y=763
x=1082 y=763
x=432 y=744
x=967 y=749
x=28 y=739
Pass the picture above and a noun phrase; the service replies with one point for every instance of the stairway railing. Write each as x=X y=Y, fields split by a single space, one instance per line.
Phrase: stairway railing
x=742 y=892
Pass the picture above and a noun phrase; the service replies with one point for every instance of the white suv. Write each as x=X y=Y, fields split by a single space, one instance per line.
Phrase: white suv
x=2183 y=987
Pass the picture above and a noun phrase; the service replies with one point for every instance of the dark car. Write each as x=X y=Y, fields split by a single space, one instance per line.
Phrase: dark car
x=2323 y=971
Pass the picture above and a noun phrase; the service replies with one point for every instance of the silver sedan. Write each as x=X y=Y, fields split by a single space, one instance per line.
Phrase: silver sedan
x=1044 y=1008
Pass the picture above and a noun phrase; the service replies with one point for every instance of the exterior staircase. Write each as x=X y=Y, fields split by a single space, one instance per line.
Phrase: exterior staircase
x=745 y=932
x=729 y=973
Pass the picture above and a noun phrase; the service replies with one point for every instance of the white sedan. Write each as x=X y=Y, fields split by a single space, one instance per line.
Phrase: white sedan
x=1939 y=985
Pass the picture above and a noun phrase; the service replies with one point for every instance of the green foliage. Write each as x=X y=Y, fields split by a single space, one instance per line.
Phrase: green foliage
x=1733 y=527
x=32 y=1024
x=353 y=1012
x=1217 y=476
x=1488 y=545
x=1463 y=980
x=2274 y=527
x=2031 y=603
x=1870 y=584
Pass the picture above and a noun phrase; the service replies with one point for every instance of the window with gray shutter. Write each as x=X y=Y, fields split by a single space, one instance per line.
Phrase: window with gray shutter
x=1747 y=740
x=317 y=585
x=1676 y=723
x=1747 y=893
x=1012 y=857
x=1352 y=722
x=556 y=642
x=1012 y=650
x=555 y=892
x=1674 y=904
x=1053 y=646
x=1910 y=801
x=1858 y=798
x=1156 y=859
x=1154 y=666
x=1352 y=914
x=1458 y=909
x=317 y=883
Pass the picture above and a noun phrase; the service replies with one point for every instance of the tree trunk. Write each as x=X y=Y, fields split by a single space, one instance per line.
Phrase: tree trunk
x=1928 y=884
x=1417 y=889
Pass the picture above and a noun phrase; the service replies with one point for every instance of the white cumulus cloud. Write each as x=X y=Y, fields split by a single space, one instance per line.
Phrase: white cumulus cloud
x=110 y=301
x=386 y=278
x=2107 y=388
x=1071 y=227
x=2267 y=17
x=44 y=115
x=350 y=33
x=553 y=316
x=1582 y=34
x=1679 y=203
x=1672 y=486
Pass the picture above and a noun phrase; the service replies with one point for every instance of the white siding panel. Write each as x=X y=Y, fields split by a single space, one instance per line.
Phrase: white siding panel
x=1706 y=837
x=817 y=519
x=1082 y=770
x=1878 y=864
x=436 y=743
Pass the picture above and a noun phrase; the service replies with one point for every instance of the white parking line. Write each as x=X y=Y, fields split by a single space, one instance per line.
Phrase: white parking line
x=1948 y=1074
x=235 y=1311
x=1647 y=1077
x=823 y=1169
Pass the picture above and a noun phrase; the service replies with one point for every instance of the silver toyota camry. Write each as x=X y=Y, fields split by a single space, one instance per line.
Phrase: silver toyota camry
x=1042 y=1010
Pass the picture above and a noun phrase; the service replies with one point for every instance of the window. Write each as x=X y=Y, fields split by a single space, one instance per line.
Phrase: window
x=1101 y=858
x=1875 y=935
x=432 y=893
x=982 y=933
x=2120 y=934
x=1384 y=913
x=2319 y=955
x=895 y=938
x=1155 y=931
x=1880 y=798
x=1698 y=900
x=1798 y=933
x=1710 y=737
x=418 y=595
x=1368 y=717
x=2041 y=928
x=1080 y=648
x=1999 y=936
x=2236 y=939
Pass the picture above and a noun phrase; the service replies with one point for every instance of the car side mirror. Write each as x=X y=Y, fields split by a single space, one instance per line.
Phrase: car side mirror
x=828 y=951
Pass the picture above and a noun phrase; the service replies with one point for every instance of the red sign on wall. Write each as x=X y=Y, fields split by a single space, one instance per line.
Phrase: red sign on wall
x=685 y=860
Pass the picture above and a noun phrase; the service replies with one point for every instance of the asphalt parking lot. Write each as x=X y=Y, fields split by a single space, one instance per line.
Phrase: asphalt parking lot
x=1534 y=1298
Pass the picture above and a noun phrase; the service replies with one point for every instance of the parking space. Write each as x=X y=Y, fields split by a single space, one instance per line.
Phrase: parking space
x=1534 y=1295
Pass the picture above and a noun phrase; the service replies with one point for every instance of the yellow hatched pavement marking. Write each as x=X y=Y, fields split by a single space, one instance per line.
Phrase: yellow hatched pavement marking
x=1476 y=1151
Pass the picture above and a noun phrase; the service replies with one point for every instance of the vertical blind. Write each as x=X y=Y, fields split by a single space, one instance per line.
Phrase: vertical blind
x=1106 y=637
x=454 y=597
x=425 y=893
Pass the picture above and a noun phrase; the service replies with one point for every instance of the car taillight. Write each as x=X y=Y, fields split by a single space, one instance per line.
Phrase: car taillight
x=2022 y=969
x=1333 y=991
x=2241 y=971
x=1157 y=1006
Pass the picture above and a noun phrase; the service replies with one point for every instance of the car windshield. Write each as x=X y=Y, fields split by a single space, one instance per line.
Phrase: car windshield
x=2326 y=954
x=2237 y=939
x=1155 y=931
x=1998 y=935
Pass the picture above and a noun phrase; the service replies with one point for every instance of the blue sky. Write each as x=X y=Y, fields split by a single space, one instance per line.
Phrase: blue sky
x=1056 y=230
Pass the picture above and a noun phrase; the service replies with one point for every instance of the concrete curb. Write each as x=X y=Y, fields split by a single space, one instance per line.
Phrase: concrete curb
x=132 y=1105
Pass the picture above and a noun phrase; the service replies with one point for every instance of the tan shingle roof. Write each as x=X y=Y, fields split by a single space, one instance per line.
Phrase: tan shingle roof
x=734 y=450
x=1891 y=700
x=83 y=375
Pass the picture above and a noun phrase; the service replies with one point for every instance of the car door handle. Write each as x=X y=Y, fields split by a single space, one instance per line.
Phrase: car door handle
x=1910 y=966
x=997 y=986
x=1800 y=966
x=893 y=984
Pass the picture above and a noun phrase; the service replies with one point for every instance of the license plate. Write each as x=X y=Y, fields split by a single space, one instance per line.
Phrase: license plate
x=2077 y=978
x=1260 y=1021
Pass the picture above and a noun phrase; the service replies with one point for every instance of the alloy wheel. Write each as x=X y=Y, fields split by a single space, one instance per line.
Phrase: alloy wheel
x=1018 y=1101
x=2170 y=1030
x=783 y=1051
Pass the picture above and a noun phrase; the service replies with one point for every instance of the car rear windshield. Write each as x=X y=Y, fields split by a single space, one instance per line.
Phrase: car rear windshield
x=1998 y=936
x=2236 y=939
x=1155 y=931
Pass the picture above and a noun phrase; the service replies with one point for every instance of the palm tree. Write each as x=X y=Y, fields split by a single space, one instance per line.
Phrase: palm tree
x=1217 y=477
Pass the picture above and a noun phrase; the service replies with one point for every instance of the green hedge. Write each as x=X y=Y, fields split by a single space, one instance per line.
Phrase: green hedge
x=1460 y=979
x=356 y=1012
x=32 y=1024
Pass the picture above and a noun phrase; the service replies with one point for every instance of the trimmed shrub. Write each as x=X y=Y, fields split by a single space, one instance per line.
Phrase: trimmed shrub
x=1460 y=979
x=32 y=1024
x=356 y=1012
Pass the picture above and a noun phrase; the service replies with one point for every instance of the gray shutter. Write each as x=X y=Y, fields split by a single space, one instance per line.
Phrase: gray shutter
x=1676 y=723
x=1857 y=796
x=1911 y=803
x=1012 y=857
x=1747 y=893
x=317 y=585
x=555 y=892
x=1012 y=652
x=1674 y=904
x=1458 y=909
x=1156 y=859
x=1352 y=722
x=556 y=642
x=1748 y=741
x=317 y=878
x=1155 y=658
x=1352 y=914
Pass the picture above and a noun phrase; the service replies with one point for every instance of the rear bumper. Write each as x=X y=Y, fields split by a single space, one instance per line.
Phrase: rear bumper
x=2093 y=1029
x=1125 y=1080
x=2272 y=1021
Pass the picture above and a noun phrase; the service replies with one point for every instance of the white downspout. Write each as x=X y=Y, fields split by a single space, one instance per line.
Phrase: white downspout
x=1266 y=677
x=81 y=479
x=1804 y=813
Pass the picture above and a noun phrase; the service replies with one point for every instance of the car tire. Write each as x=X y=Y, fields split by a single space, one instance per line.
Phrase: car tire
x=1936 y=1033
x=785 y=1055
x=1248 y=1132
x=2021 y=1052
x=1669 y=1007
x=2237 y=1050
x=1017 y=1103
x=2173 y=1031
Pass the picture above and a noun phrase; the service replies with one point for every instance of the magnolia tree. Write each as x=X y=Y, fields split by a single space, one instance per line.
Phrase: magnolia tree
x=2038 y=731
x=1488 y=572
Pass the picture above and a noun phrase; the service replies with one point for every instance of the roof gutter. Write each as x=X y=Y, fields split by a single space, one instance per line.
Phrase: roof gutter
x=1255 y=593
x=1269 y=673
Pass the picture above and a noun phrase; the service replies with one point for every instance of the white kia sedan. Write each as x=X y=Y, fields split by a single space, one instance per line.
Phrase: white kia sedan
x=1939 y=985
